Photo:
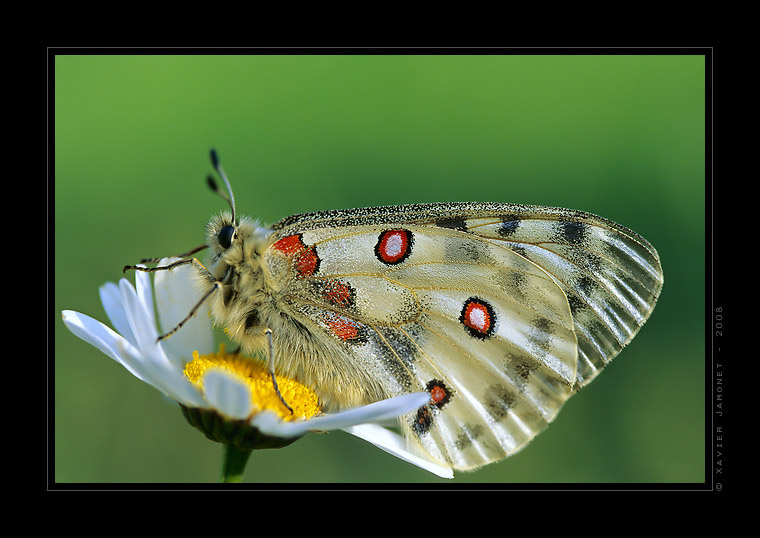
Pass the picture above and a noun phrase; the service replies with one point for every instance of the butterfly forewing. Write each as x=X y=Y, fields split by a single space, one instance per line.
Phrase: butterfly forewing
x=499 y=311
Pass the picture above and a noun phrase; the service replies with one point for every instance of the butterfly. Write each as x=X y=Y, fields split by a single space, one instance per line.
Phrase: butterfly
x=499 y=311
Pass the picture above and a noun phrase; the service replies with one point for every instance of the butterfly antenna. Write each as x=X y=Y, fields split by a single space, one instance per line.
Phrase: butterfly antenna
x=214 y=187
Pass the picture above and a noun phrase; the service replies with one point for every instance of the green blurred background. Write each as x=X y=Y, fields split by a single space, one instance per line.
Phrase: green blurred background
x=620 y=136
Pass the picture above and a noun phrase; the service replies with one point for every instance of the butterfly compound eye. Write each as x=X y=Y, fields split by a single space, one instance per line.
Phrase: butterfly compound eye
x=225 y=236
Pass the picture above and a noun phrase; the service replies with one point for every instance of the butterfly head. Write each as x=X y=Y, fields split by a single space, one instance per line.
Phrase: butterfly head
x=221 y=234
x=222 y=229
x=232 y=240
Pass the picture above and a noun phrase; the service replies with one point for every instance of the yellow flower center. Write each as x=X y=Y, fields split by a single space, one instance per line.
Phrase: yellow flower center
x=254 y=374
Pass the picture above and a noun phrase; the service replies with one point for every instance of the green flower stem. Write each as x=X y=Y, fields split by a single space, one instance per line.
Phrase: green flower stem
x=234 y=463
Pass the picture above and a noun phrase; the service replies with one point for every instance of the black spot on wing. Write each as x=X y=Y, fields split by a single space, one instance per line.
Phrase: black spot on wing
x=539 y=337
x=576 y=304
x=573 y=233
x=455 y=223
x=395 y=352
x=519 y=249
x=508 y=226
x=467 y=434
x=499 y=399
x=586 y=284
x=422 y=421
x=399 y=343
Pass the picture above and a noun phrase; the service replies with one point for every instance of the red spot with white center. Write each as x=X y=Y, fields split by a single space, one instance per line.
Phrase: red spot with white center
x=440 y=394
x=478 y=317
x=394 y=246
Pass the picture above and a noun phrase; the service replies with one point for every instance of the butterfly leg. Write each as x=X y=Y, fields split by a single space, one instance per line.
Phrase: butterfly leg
x=193 y=310
x=184 y=255
x=270 y=364
x=215 y=285
x=169 y=267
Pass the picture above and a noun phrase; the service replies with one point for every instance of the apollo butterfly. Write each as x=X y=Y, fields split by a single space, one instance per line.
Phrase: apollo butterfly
x=500 y=311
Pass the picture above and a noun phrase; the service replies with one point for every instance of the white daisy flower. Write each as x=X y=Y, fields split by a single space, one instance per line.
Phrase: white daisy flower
x=229 y=397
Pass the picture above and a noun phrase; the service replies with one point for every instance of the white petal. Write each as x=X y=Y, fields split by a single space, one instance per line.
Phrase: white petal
x=374 y=412
x=145 y=295
x=176 y=295
x=154 y=372
x=396 y=445
x=226 y=394
x=270 y=423
x=105 y=339
x=139 y=319
x=170 y=380
x=110 y=296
